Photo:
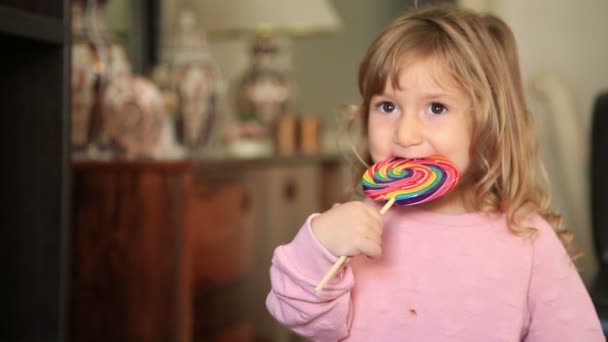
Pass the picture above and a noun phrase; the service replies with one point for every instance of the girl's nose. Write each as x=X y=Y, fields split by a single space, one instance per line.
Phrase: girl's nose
x=409 y=131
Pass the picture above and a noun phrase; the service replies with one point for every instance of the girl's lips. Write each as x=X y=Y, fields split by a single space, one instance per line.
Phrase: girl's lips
x=409 y=157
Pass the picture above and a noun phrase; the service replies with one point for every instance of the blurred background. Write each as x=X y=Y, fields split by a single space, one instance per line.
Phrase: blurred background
x=157 y=151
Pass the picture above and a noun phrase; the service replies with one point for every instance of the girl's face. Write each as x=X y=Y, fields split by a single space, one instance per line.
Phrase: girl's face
x=428 y=115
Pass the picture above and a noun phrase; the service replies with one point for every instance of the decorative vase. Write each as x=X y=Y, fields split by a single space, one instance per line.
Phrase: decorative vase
x=115 y=114
x=192 y=74
x=265 y=92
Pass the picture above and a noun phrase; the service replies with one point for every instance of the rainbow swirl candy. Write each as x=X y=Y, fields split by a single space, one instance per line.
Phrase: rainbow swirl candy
x=411 y=181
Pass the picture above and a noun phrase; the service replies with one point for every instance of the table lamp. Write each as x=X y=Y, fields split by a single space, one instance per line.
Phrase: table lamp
x=265 y=92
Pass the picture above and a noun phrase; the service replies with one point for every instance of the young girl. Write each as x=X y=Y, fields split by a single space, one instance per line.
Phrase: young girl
x=482 y=263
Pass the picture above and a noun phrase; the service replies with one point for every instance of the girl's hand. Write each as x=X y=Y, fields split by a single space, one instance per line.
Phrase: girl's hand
x=350 y=229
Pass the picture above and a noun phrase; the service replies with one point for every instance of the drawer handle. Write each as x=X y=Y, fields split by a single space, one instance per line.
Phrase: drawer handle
x=246 y=202
x=290 y=190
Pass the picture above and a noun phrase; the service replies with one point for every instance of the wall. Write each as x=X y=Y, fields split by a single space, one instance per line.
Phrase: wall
x=568 y=40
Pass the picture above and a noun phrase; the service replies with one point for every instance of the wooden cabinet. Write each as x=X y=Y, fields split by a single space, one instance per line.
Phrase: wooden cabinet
x=288 y=196
x=270 y=199
x=181 y=251
x=222 y=233
x=129 y=276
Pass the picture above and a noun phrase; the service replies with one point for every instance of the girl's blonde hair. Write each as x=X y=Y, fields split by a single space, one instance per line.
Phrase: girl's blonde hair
x=479 y=53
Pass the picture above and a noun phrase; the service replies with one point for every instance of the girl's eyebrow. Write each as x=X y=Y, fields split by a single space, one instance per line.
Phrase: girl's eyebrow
x=381 y=97
x=435 y=94
x=449 y=93
x=441 y=95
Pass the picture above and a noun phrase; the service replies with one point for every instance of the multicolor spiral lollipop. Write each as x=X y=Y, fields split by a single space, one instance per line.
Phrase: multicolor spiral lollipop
x=403 y=182
x=410 y=181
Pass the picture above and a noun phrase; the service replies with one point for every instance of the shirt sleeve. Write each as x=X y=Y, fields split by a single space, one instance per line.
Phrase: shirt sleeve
x=295 y=271
x=559 y=305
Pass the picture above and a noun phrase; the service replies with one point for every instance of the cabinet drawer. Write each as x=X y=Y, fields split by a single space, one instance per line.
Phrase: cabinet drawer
x=221 y=231
x=292 y=195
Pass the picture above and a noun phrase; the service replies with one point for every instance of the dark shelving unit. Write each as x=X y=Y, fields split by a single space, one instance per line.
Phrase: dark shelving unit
x=30 y=26
x=34 y=132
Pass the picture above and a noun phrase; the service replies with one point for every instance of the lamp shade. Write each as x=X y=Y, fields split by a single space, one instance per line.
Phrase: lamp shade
x=292 y=17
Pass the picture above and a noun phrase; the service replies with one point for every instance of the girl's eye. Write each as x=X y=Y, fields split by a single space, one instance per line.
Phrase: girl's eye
x=436 y=108
x=386 y=107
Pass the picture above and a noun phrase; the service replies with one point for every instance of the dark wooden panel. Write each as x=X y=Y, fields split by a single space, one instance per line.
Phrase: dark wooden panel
x=33 y=141
x=39 y=7
x=31 y=26
x=127 y=271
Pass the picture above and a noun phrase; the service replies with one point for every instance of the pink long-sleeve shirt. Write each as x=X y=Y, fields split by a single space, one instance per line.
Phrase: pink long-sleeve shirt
x=440 y=278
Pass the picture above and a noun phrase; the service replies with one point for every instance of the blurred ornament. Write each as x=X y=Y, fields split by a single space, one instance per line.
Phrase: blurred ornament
x=192 y=74
x=114 y=113
x=134 y=115
x=264 y=92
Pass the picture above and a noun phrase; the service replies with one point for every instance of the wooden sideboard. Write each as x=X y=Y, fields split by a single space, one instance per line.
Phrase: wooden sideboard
x=180 y=251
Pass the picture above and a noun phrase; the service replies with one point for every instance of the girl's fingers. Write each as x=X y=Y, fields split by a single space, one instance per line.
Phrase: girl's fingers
x=374 y=237
x=370 y=247
x=375 y=223
x=375 y=215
